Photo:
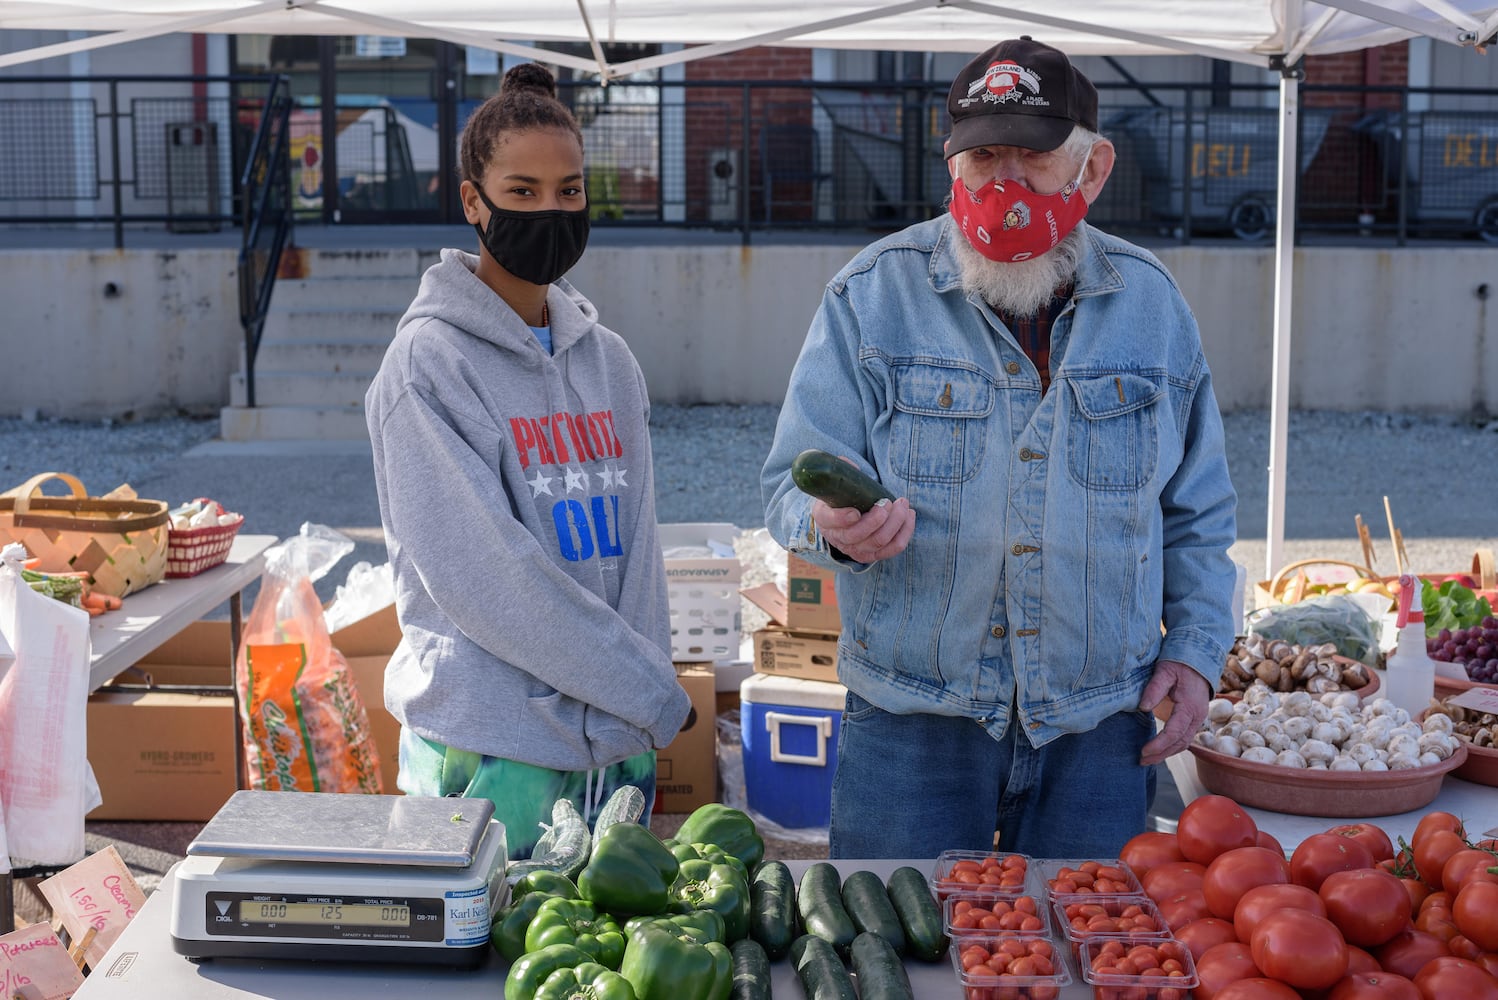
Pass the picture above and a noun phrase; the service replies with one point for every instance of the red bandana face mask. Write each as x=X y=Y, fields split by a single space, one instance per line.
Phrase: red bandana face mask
x=1007 y=222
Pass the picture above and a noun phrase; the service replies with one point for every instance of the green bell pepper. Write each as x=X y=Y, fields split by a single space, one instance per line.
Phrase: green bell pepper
x=533 y=968
x=702 y=925
x=729 y=828
x=719 y=888
x=706 y=852
x=578 y=923
x=630 y=872
x=589 y=981
x=670 y=960
x=507 y=932
x=544 y=880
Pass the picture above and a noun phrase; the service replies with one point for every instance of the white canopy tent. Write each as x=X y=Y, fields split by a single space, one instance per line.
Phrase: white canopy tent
x=1273 y=34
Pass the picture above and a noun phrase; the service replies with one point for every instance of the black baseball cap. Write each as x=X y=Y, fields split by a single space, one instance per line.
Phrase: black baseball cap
x=1019 y=93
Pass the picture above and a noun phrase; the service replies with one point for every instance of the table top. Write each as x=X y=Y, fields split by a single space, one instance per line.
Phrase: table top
x=150 y=617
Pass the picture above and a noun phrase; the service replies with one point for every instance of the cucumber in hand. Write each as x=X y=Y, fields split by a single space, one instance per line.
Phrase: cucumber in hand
x=835 y=482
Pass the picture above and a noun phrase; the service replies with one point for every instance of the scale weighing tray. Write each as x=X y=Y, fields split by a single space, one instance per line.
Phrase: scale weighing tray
x=309 y=875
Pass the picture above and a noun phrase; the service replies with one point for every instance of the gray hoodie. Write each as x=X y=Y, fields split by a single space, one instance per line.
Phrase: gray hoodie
x=518 y=503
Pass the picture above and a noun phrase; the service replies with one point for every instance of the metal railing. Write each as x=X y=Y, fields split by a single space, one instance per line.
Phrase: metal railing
x=265 y=188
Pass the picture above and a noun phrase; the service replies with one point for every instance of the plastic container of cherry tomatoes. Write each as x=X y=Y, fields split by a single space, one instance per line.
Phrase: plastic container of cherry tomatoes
x=991 y=872
x=1067 y=878
x=1147 y=970
x=1130 y=919
x=963 y=912
x=1006 y=966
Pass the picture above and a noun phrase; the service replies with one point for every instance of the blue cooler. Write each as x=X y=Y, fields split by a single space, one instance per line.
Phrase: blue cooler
x=789 y=728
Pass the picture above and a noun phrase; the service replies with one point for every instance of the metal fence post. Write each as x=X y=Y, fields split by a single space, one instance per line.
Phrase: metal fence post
x=114 y=164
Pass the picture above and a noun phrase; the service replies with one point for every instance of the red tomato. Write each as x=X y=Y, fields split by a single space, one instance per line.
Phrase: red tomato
x=1475 y=911
x=1212 y=824
x=1201 y=934
x=1433 y=821
x=1375 y=985
x=1148 y=849
x=1265 y=899
x=1257 y=988
x=1360 y=960
x=1408 y=951
x=1299 y=948
x=1432 y=853
x=1234 y=872
x=1320 y=854
x=1370 y=836
x=1170 y=878
x=1416 y=890
x=1184 y=907
x=1368 y=906
x=1448 y=978
x=1220 y=966
x=1468 y=861
x=1266 y=839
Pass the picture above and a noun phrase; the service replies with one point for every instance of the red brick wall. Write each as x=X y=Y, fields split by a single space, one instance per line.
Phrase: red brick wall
x=714 y=116
x=1347 y=174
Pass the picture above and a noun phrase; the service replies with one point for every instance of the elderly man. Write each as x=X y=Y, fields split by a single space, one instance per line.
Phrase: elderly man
x=1055 y=567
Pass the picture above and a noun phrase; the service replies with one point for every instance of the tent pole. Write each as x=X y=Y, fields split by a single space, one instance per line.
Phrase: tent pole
x=164 y=26
x=1284 y=285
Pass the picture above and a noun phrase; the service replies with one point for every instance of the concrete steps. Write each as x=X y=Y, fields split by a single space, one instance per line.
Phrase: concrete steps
x=332 y=316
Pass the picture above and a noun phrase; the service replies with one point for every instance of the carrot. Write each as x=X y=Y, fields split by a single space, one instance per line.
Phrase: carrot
x=92 y=600
x=32 y=563
x=112 y=603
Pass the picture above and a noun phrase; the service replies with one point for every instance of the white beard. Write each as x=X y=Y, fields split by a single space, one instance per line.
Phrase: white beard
x=1018 y=289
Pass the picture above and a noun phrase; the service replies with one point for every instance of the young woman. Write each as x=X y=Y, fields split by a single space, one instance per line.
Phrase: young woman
x=512 y=460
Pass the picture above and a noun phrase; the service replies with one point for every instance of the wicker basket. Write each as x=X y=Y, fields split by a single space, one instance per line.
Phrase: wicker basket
x=192 y=551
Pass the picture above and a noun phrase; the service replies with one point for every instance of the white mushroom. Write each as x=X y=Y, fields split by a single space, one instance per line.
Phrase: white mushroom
x=1298 y=727
x=1342 y=762
x=1220 y=710
x=1230 y=746
x=1375 y=765
x=1442 y=744
x=1403 y=762
x=1343 y=699
x=1317 y=750
x=1320 y=712
x=1329 y=732
x=1363 y=754
x=1437 y=723
x=1429 y=758
x=1251 y=739
x=1296 y=703
x=1259 y=755
x=1402 y=745
x=1279 y=742
x=1289 y=758
x=1207 y=738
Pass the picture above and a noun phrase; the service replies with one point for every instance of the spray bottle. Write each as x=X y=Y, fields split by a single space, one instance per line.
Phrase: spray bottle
x=1409 y=672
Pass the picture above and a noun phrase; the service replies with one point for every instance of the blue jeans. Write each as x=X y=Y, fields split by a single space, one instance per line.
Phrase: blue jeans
x=912 y=786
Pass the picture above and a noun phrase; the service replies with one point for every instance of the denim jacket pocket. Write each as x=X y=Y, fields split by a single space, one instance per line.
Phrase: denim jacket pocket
x=1113 y=443
x=936 y=433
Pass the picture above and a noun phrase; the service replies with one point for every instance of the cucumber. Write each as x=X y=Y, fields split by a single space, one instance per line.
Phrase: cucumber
x=819 y=900
x=564 y=847
x=881 y=974
x=751 y=971
x=772 y=908
x=625 y=805
x=920 y=917
x=821 y=972
x=868 y=904
x=836 y=483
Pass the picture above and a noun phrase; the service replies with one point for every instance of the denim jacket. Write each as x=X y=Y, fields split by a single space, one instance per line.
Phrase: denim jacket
x=1055 y=534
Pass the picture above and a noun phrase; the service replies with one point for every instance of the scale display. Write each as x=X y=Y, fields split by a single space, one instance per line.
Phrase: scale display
x=231 y=914
x=329 y=914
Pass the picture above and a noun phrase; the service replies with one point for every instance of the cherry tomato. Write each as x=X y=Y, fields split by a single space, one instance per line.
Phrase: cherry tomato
x=1212 y=824
x=1232 y=873
x=1201 y=934
x=1299 y=948
x=1265 y=899
x=1148 y=849
x=1475 y=911
x=1468 y=861
x=1171 y=878
x=1374 y=985
x=1432 y=853
x=1221 y=965
x=1368 y=906
x=1408 y=951
x=1448 y=978
x=1320 y=854
x=1257 y=988
x=1370 y=836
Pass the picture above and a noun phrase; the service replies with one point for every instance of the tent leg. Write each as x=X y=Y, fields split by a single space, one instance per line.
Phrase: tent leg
x=1284 y=285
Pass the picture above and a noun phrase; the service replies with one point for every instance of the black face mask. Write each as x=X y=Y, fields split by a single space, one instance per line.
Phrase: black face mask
x=538 y=247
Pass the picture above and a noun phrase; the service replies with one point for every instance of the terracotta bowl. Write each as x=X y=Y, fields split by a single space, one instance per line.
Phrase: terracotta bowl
x=1482 y=763
x=1322 y=793
x=1448 y=686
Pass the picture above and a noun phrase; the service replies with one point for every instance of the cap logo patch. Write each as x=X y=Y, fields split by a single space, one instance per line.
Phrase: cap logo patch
x=1002 y=84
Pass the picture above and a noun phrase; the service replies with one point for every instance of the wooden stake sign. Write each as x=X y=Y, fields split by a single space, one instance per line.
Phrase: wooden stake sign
x=35 y=965
x=94 y=899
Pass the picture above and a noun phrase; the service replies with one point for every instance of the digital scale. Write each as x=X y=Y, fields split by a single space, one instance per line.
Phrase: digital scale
x=309 y=875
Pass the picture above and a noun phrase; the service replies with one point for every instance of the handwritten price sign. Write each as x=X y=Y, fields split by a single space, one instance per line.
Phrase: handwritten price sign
x=99 y=893
x=1483 y=698
x=34 y=964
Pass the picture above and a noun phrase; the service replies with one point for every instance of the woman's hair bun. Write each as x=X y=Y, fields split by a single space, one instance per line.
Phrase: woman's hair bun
x=529 y=76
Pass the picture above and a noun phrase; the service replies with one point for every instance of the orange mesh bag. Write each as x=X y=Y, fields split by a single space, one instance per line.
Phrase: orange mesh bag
x=119 y=541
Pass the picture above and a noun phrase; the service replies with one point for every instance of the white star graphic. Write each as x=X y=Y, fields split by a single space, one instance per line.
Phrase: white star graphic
x=541 y=484
x=619 y=477
x=577 y=481
x=606 y=477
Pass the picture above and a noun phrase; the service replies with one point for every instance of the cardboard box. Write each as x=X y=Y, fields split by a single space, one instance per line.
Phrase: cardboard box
x=703 y=593
x=686 y=772
x=811 y=596
x=167 y=753
x=796 y=653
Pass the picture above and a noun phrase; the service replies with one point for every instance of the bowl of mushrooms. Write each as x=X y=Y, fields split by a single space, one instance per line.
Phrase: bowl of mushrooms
x=1479 y=730
x=1332 y=754
x=1285 y=666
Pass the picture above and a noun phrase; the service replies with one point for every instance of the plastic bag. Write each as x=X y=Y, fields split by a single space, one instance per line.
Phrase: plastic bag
x=1336 y=618
x=368 y=589
x=305 y=727
x=46 y=785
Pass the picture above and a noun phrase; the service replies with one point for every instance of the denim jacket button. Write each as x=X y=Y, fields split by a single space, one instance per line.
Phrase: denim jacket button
x=1012 y=368
x=1025 y=454
x=811 y=535
x=997 y=631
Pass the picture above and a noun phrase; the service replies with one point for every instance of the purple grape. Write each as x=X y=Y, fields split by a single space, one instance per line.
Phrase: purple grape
x=1444 y=635
x=1491 y=621
x=1452 y=650
x=1439 y=654
x=1490 y=634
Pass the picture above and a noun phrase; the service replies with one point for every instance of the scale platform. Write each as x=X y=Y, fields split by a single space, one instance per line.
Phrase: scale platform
x=308 y=875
